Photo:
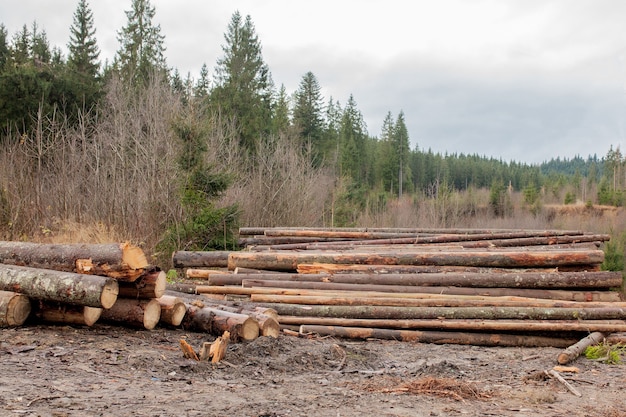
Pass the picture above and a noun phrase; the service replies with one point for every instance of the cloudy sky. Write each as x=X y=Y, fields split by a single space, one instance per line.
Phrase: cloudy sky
x=523 y=80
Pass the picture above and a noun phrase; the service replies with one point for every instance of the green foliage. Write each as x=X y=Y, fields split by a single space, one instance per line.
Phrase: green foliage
x=307 y=114
x=499 y=200
x=84 y=52
x=570 y=198
x=606 y=353
x=614 y=255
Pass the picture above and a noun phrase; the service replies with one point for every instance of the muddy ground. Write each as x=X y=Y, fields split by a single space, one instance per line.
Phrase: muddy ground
x=113 y=371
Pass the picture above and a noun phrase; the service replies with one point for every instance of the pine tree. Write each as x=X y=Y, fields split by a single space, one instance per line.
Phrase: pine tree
x=141 y=52
x=4 y=46
x=386 y=160
x=308 y=113
x=402 y=149
x=352 y=138
x=21 y=47
x=40 y=47
x=280 y=117
x=84 y=52
x=201 y=89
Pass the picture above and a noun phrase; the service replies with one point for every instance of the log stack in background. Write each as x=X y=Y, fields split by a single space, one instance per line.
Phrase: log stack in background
x=467 y=286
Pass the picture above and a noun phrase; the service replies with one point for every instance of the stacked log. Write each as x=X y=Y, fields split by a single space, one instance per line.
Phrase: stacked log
x=488 y=287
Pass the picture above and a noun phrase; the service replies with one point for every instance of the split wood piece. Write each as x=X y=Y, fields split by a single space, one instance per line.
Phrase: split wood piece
x=55 y=312
x=465 y=324
x=288 y=261
x=117 y=260
x=216 y=322
x=436 y=337
x=149 y=285
x=134 y=313
x=192 y=259
x=14 y=308
x=482 y=313
x=555 y=374
x=574 y=351
x=68 y=287
x=567 y=295
x=173 y=310
x=188 y=351
x=317 y=268
x=216 y=350
x=193 y=273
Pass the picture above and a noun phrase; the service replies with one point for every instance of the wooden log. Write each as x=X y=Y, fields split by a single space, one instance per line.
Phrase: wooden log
x=173 y=310
x=134 y=313
x=317 y=268
x=117 y=260
x=575 y=350
x=216 y=322
x=261 y=230
x=194 y=273
x=437 y=238
x=482 y=313
x=616 y=338
x=68 y=287
x=465 y=324
x=55 y=312
x=14 y=308
x=436 y=337
x=150 y=285
x=195 y=259
x=181 y=288
x=288 y=261
x=268 y=326
x=567 y=295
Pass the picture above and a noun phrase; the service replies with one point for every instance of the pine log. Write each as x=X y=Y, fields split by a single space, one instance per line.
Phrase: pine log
x=566 y=295
x=437 y=337
x=150 y=285
x=575 y=350
x=268 y=325
x=14 y=308
x=616 y=338
x=55 y=312
x=121 y=261
x=193 y=273
x=216 y=322
x=194 y=259
x=437 y=238
x=173 y=310
x=134 y=313
x=465 y=324
x=317 y=268
x=421 y=230
x=482 y=313
x=181 y=288
x=68 y=287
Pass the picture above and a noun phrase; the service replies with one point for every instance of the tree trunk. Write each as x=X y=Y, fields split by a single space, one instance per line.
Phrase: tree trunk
x=173 y=310
x=121 y=261
x=14 y=308
x=134 y=313
x=459 y=338
x=326 y=268
x=68 y=287
x=575 y=350
x=56 y=312
x=247 y=231
x=149 y=285
x=193 y=273
x=194 y=259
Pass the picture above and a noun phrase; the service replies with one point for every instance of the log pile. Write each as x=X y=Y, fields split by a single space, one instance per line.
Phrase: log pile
x=466 y=286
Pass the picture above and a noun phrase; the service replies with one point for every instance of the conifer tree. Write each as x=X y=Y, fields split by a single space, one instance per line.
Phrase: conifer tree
x=280 y=117
x=352 y=138
x=402 y=149
x=84 y=52
x=4 y=46
x=201 y=89
x=308 y=113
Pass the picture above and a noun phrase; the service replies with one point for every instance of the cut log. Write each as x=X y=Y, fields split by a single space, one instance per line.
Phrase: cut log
x=134 y=313
x=173 y=310
x=150 y=285
x=193 y=273
x=268 y=326
x=574 y=351
x=55 y=312
x=67 y=287
x=14 y=308
x=181 y=288
x=117 y=260
x=216 y=322
x=195 y=259
x=326 y=268
x=459 y=338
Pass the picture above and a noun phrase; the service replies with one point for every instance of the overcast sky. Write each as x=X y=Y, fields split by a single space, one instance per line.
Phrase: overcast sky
x=524 y=80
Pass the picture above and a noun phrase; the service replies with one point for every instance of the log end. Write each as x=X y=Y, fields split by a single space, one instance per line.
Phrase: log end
x=18 y=310
x=152 y=314
x=160 y=284
x=270 y=328
x=91 y=315
x=133 y=256
x=249 y=330
x=110 y=291
x=174 y=316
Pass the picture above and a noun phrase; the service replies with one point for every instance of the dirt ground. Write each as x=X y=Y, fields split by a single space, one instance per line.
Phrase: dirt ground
x=113 y=371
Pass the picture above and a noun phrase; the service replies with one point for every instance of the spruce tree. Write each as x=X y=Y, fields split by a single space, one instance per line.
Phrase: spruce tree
x=84 y=52
x=280 y=116
x=4 y=46
x=308 y=113
x=402 y=149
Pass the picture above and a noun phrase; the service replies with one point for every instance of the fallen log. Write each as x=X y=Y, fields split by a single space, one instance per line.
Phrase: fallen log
x=326 y=268
x=194 y=273
x=173 y=310
x=575 y=350
x=55 y=312
x=150 y=285
x=421 y=230
x=459 y=338
x=182 y=288
x=193 y=259
x=14 y=308
x=134 y=313
x=67 y=287
x=216 y=322
x=121 y=261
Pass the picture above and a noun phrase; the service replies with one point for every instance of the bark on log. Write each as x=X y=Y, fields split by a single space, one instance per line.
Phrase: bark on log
x=261 y=230
x=149 y=285
x=575 y=350
x=195 y=259
x=117 y=260
x=216 y=322
x=14 y=308
x=482 y=313
x=173 y=310
x=192 y=273
x=460 y=338
x=68 y=287
x=55 y=312
x=288 y=261
x=326 y=268
x=443 y=237
x=134 y=313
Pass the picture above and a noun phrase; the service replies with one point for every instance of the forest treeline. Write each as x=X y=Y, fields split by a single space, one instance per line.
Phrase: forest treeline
x=180 y=161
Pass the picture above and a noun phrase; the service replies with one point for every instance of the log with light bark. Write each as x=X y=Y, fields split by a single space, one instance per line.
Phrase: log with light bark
x=246 y=231
x=317 y=268
x=440 y=236
x=216 y=322
x=437 y=337
x=121 y=261
x=14 y=308
x=150 y=285
x=56 y=312
x=196 y=259
x=288 y=261
x=575 y=350
x=194 y=273
x=173 y=310
x=134 y=313
x=68 y=287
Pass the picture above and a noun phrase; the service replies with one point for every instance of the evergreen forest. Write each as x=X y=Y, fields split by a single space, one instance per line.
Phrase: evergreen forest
x=132 y=149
